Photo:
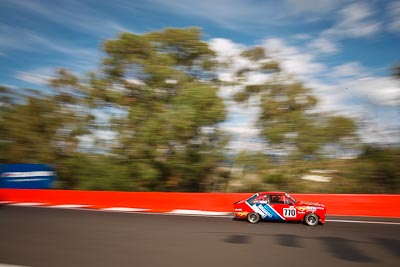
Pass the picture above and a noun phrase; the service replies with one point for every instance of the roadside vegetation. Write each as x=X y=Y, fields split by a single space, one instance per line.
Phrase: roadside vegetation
x=147 y=120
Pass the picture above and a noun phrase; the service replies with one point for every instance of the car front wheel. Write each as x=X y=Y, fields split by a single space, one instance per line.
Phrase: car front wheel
x=311 y=219
x=253 y=217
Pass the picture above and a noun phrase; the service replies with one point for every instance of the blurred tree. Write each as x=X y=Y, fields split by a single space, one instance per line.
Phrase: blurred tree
x=94 y=172
x=396 y=71
x=377 y=170
x=6 y=98
x=164 y=110
x=28 y=131
x=257 y=53
x=162 y=81
x=396 y=74
x=44 y=128
x=288 y=118
x=170 y=128
x=159 y=94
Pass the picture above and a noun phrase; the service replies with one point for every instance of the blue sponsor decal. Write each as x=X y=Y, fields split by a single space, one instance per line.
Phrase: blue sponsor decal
x=266 y=212
x=32 y=176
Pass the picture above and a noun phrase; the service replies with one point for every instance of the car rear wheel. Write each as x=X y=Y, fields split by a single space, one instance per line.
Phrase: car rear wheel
x=253 y=217
x=311 y=219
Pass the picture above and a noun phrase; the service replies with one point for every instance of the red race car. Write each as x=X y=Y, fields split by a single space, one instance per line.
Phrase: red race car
x=279 y=206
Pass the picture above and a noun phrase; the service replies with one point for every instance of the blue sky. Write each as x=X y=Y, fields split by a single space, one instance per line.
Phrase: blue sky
x=331 y=45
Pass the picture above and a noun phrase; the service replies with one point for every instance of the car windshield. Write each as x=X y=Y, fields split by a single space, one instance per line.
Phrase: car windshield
x=291 y=198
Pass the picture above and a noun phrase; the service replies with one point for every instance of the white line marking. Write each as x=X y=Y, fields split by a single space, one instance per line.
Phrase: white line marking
x=188 y=213
x=27 y=204
x=370 y=222
x=198 y=212
x=123 y=209
x=69 y=206
x=6 y=202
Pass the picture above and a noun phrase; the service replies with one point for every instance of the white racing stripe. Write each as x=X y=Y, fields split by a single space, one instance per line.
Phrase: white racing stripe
x=370 y=222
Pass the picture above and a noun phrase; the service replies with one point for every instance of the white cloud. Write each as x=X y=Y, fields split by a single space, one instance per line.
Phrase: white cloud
x=9 y=37
x=351 y=69
x=242 y=130
x=72 y=14
x=380 y=126
x=314 y=6
x=351 y=92
x=244 y=15
x=302 y=36
x=88 y=141
x=354 y=21
x=225 y=48
x=332 y=98
x=241 y=122
x=256 y=78
x=33 y=77
x=11 y=40
x=231 y=14
x=324 y=45
x=370 y=101
x=228 y=53
x=394 y=25
x=227 y=92
x=292 y=59
x=241 y=125
x=356 y=12
x=77 y=52
x=394 y=8
x=381 y=91
x=394 y=17
x=352 y=95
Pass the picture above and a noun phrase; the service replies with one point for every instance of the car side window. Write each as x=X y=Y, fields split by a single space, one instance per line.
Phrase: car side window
x=287 y=200
x=277 y=199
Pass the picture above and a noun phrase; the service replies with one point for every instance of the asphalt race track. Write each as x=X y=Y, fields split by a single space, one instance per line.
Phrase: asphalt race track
x=38 y=237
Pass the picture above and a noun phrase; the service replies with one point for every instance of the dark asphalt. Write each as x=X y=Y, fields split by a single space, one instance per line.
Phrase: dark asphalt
x=52 y=237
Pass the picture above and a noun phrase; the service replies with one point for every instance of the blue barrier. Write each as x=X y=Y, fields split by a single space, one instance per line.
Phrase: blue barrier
x=30 y=176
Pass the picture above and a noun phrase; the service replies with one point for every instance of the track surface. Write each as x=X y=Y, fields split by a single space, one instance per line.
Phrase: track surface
x=50 y=237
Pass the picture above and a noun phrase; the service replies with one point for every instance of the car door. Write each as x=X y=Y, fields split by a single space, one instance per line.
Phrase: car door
x=283 y=206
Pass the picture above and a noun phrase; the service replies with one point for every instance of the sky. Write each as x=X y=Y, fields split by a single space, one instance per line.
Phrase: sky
x=343 y=50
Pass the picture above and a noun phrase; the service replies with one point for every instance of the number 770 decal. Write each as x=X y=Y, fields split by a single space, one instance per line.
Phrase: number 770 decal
x=289 y=212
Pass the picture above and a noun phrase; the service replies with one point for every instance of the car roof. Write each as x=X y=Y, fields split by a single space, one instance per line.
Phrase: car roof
x=272 y=193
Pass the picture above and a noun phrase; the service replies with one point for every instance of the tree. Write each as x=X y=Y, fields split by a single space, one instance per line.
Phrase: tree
x=44 y=128
x=157 y=90
x=169 y=136
x=28 y=130
x=396 y=71
x=288 y=117
x=377 y=170
x=168 y=107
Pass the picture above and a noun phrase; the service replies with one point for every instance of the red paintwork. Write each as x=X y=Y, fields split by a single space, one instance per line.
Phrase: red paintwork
x=287 y=209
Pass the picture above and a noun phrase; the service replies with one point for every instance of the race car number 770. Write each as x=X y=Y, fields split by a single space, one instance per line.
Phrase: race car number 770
x=289 y=212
